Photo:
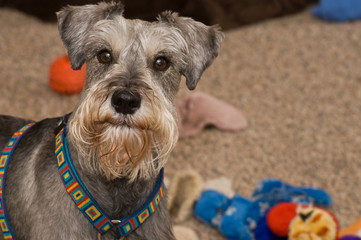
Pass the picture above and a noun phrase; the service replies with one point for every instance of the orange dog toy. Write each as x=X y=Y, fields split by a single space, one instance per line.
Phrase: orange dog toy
x=65 y=80
x=353 y=229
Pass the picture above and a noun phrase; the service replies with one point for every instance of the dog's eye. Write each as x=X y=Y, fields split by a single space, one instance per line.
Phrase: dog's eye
x=161 y=64
x=104 y=57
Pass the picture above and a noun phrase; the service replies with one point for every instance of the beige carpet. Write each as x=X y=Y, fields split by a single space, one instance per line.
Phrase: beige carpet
x=297 y=79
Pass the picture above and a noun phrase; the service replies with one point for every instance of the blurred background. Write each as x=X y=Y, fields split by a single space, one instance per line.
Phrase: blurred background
x=227 y=13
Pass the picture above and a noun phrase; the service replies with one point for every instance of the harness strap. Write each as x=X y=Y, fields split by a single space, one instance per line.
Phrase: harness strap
x=4 y=162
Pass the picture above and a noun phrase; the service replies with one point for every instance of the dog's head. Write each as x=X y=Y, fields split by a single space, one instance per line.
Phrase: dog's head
x=126 y=117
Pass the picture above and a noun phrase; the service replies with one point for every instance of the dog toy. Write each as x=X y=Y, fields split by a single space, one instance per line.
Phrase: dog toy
x=221 y=184
x=183 y=191
x=238 y=217
x=65 y=80
x=303 y=194
x=350 y=237
x=184 y=233
x=279 y=217
x=353 y=230
x=263 y=232
x=338 y=11
x=228 y=215
x=312 y=223
x=297 y=222
x=199 y=110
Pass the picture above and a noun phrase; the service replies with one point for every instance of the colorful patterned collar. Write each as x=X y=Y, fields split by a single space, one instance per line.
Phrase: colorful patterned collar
x=87 y=204
x=4 y=163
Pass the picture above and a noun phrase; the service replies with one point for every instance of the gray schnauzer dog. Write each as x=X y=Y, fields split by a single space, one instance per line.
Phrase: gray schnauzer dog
x=121 y=133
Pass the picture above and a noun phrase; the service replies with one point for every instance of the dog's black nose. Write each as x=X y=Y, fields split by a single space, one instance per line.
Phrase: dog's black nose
x=126 y=102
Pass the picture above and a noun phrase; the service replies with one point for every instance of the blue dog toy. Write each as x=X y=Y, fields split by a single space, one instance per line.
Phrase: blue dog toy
x=338 y=10
x=237 y=218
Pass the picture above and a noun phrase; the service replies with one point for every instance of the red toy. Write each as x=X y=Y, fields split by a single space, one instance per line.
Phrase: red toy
x=279 y=218
x=302 y=222
x=65 y=80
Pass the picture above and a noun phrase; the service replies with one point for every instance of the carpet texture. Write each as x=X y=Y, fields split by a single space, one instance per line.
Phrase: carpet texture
x=297 y=79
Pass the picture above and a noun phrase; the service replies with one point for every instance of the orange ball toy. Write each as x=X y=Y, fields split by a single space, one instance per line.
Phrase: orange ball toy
x=65 y=80
x=279 y=218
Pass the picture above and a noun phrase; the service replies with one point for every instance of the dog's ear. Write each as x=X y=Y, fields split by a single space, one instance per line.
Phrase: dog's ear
x=203 y=44
x=74 y=22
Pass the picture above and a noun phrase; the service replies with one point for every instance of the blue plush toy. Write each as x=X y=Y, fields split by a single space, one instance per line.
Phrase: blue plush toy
x=237 y=218
x=228 y=215
x=262 y=232
x=338 y=10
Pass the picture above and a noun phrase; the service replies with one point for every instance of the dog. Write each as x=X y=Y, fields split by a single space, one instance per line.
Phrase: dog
x=118 y=138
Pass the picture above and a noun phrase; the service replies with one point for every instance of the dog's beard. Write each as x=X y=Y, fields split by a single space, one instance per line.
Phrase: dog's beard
x=123 y=146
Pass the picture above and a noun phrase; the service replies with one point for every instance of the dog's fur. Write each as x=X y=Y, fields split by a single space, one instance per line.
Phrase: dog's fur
x=117 y=155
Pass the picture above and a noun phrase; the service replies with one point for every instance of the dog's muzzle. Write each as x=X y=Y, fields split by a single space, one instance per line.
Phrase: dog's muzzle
x=126 y=102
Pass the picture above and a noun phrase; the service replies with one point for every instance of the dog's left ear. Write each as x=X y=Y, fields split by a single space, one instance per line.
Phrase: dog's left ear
x=203 y=44
x=74 y=22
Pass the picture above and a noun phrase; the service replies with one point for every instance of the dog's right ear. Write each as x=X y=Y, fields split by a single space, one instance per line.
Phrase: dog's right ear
x=74 y=22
